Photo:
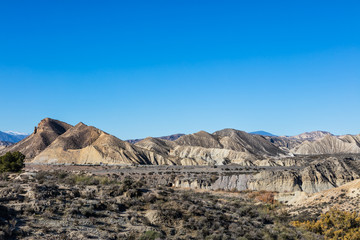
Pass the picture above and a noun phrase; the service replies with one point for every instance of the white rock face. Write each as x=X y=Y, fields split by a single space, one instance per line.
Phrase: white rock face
x=233 y=182
x=329 y=145
x=320 y=175
x=211 y=155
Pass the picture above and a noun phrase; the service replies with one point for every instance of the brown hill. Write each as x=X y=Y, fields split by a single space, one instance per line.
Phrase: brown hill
x=329 y=145
x=284 y=143
x=200 y=139
x=84 y=144
x=222 y=147
x=241 y=141
x=157 y=145
x=44 y=134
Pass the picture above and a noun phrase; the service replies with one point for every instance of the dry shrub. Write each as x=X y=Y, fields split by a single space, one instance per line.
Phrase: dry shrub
x=263 y=196
x=334 y=224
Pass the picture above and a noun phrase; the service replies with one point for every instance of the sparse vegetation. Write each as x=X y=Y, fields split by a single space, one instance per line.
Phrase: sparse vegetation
x=78 y=206
x=333 y=225
x=263 y=196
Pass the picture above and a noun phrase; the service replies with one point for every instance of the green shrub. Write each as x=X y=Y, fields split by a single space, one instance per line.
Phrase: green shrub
x=89 y=180
x=12 y=162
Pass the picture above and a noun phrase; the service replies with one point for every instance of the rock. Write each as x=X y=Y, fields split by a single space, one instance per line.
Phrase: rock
x=25 y=176
x=153 y=216
x=233 y=182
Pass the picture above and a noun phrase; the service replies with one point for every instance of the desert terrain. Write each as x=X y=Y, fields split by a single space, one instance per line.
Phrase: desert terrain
x=78 y=182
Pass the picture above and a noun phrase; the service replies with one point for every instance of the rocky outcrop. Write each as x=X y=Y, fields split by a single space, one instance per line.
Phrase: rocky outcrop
x=46 y=132
x=318 y=176
x=232 y=182
x=229 y=182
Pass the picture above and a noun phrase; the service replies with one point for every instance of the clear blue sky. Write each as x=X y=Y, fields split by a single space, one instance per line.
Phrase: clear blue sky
x=152 y=68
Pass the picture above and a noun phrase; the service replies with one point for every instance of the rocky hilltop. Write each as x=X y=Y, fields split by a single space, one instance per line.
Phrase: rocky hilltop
x=44 y=134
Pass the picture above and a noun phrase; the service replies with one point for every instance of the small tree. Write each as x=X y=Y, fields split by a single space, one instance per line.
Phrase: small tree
x=12 y=162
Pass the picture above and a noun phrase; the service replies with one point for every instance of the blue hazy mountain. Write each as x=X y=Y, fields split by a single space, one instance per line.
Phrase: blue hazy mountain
x=12 y=137
x=263 y=133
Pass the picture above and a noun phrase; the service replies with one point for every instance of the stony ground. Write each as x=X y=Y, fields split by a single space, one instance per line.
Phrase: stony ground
x=63 y=205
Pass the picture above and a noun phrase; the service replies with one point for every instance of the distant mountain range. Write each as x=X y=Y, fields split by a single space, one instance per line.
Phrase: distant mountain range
x=172 y=137
x=263 y=133
x=12 y=137
x=54 y=141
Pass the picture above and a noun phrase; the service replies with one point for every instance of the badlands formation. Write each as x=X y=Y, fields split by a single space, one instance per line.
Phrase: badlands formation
x=308 y=163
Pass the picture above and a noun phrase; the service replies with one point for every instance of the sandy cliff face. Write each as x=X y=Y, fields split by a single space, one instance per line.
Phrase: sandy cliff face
x=320 y=175
x=345 y=197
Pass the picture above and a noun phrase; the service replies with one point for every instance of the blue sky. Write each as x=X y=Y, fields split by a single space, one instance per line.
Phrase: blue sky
x=152 y=68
